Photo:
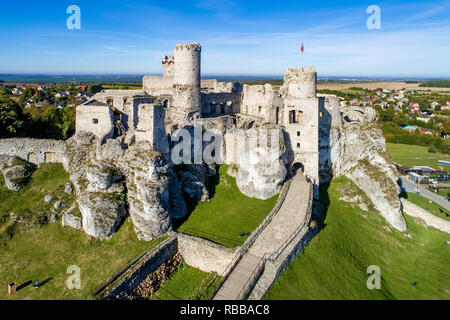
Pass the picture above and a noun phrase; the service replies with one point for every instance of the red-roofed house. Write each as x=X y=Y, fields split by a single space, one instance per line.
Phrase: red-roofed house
x=414 y=106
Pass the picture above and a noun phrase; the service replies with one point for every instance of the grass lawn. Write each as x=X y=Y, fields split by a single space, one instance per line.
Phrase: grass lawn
x=334 y=264
x=425 y=204
x=47 y=252
x=29 y=251
x=188 y=283
x=410 y=155
x=48 y=179
x=227 y=214
x=444 y=192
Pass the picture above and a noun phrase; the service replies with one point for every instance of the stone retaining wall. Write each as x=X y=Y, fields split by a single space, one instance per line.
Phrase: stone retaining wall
x=205 y=255
x=431 y=220
x=138 y=272
x=196 y=252
x=35 y=151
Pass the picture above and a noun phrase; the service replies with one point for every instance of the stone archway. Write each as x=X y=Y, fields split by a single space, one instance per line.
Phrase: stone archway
x=296 y=166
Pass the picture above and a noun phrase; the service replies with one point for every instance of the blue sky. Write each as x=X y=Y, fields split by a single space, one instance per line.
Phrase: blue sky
x=238 y=37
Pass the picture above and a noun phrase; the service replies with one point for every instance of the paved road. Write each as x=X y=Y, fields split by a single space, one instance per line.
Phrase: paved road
x=287 y=221
x=410 y=186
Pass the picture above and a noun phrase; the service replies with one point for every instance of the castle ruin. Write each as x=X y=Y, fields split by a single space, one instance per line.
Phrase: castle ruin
x=180 y=98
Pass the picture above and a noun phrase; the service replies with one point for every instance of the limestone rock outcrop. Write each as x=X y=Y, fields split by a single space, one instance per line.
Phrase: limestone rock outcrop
x=104 y=176
x=16 y=172
x=99 y=185
x=353 y=145
x=366 y=162
x=69 y=220
x=262 y=172
x=148 y=187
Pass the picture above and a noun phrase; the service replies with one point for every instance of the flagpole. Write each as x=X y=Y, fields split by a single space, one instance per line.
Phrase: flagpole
x=301 y=56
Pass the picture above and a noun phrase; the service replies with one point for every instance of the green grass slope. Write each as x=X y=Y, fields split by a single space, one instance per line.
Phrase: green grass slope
x=227 y=214
x=188 y=283
x=36 y=250
x=334 y=264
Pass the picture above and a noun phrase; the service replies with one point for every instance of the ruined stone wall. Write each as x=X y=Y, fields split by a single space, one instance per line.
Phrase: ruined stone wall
x=36 y=151
x=169 y=66
x=95 y=119
x=156 y=86
x=262 y=101
x=120 y=98
x=218 y=104
x=204 y=255
x=126 y=101
x=214 y=86
x=151 y=128
x=138 y=272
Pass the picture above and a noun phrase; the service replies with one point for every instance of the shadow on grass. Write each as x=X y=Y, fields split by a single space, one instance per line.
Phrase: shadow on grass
x=191 y=203
x=26 y=284
x=45 y=281
x=320 y=214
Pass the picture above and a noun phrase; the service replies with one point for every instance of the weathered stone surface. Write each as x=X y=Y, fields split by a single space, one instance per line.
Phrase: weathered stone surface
x=34 y=151
x=147 y=179
x=98 y=183
x=102 y=213
x=177 y=204
x=58 y=205
x=68 y=188
x=69 y=220
x=358 y=150
x=262 y=173
x=16 y=172
x=53 y=218
x=205 y=255
x=48 y=198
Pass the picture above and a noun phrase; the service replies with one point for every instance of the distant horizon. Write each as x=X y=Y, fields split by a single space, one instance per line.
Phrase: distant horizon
x=136 y=77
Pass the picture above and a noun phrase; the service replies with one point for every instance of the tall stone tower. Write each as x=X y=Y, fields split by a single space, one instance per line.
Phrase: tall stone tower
x=301 y=119
x=186 y=89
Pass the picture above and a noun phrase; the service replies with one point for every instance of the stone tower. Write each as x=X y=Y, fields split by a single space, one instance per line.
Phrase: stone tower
x=186 y=88
x=169 y=66
x=301 y=119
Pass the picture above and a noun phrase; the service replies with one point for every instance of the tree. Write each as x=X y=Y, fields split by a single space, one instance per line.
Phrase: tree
x=446 y=128
x=94 y=88
x=13 y=121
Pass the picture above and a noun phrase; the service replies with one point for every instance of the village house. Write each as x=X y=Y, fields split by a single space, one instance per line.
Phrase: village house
x=410 y=129
x=414 y=106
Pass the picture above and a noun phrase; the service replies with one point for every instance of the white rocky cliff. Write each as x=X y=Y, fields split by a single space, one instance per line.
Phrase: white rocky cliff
x=352 y=144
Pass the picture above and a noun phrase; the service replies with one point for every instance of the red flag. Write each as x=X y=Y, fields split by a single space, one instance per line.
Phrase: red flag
x=302 y=48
